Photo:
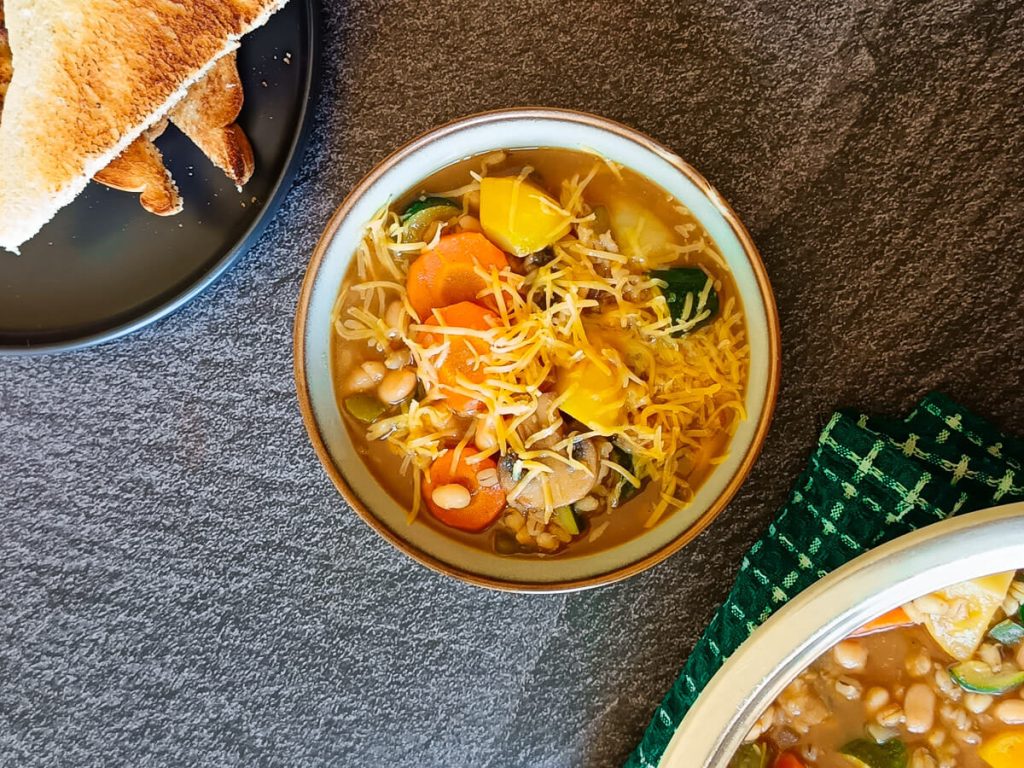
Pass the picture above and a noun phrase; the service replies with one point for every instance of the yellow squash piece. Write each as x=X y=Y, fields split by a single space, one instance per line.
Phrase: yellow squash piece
x=597 y=398
x=641 y=235
x=1004 y=750
x=960 y=637
x=519 y=217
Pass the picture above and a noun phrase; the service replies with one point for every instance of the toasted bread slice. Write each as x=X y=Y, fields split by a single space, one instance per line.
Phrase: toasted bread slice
x=91 y=76
x=140 y=168
x=215 y=100
x=207 y=116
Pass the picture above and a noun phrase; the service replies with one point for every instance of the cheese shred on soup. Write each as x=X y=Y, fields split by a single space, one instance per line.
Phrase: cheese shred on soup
x=539 y=352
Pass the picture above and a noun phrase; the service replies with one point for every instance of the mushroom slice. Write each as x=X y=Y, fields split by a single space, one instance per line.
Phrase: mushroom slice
x=544 y=419
x=568 y=484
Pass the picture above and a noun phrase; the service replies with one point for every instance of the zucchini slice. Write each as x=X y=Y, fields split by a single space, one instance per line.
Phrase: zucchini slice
x=366 y=408
x=978 y=677
x=564 y=517
x=623 y=490
x=691 y=296
x=864 y=753
x=420 y=214
x=1007 y=632
x=750 y=756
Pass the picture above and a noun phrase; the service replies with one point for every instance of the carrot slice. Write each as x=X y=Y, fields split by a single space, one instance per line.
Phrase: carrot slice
x=788 y=760
x=486 y=501
x=894 y=619
x=446 y=274
x=464 y=352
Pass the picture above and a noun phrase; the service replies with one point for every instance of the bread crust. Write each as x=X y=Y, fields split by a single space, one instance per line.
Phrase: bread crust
x=6 y=68
x=140 y=168
x=91 y=77
x=207 y=116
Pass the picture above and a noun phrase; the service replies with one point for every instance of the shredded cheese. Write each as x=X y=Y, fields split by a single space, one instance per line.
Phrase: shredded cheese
x=678 y=389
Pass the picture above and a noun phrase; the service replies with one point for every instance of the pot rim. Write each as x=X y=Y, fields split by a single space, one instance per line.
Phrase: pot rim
x=961 y=548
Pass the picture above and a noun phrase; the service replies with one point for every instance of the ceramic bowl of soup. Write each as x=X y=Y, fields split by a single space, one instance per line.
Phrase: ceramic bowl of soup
x=910 y=656
x=536 y=350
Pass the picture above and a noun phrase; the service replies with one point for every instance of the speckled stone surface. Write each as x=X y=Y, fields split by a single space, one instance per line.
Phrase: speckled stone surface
x=181 y=585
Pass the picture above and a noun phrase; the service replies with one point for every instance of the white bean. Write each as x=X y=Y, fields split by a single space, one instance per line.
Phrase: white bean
x=950 y=690
x=977 y=702
x=919 y=708
x=851 y=654
x=848 y=688
x=396 y=386
x=374 y=369
x=451 y=496
x=967 y=737
x=488 y=477
x=359 y=381
x=991 y=656
x=919 y=663
x=879 y=733
x=398 y=359
x=875 y=698
x=485 y=437
x=1011 y=711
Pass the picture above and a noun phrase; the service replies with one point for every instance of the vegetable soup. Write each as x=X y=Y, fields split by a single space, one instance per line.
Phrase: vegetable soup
x=937 y=683
x=539 y=352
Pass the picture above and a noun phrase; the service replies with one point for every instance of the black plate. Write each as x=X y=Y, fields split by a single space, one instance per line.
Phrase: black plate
x=104 y=267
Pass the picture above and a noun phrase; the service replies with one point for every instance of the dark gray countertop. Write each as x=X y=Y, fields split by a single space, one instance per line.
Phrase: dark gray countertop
x=181 y=585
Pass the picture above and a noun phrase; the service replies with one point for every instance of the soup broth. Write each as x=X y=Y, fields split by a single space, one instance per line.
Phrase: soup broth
x=580 y=242
x=934 y=684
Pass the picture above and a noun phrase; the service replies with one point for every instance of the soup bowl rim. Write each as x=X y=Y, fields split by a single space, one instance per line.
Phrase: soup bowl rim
x=750 y=252
x=957 y=549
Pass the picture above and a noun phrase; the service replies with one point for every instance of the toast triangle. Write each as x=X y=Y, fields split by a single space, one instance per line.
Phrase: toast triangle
x=90 y=77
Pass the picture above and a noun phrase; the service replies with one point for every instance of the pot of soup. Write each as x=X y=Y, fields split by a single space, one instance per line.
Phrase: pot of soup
x=911 y=656
x=535 y=350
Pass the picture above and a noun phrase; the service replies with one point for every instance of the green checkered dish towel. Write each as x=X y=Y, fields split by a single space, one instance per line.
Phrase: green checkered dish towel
x=869 y=480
